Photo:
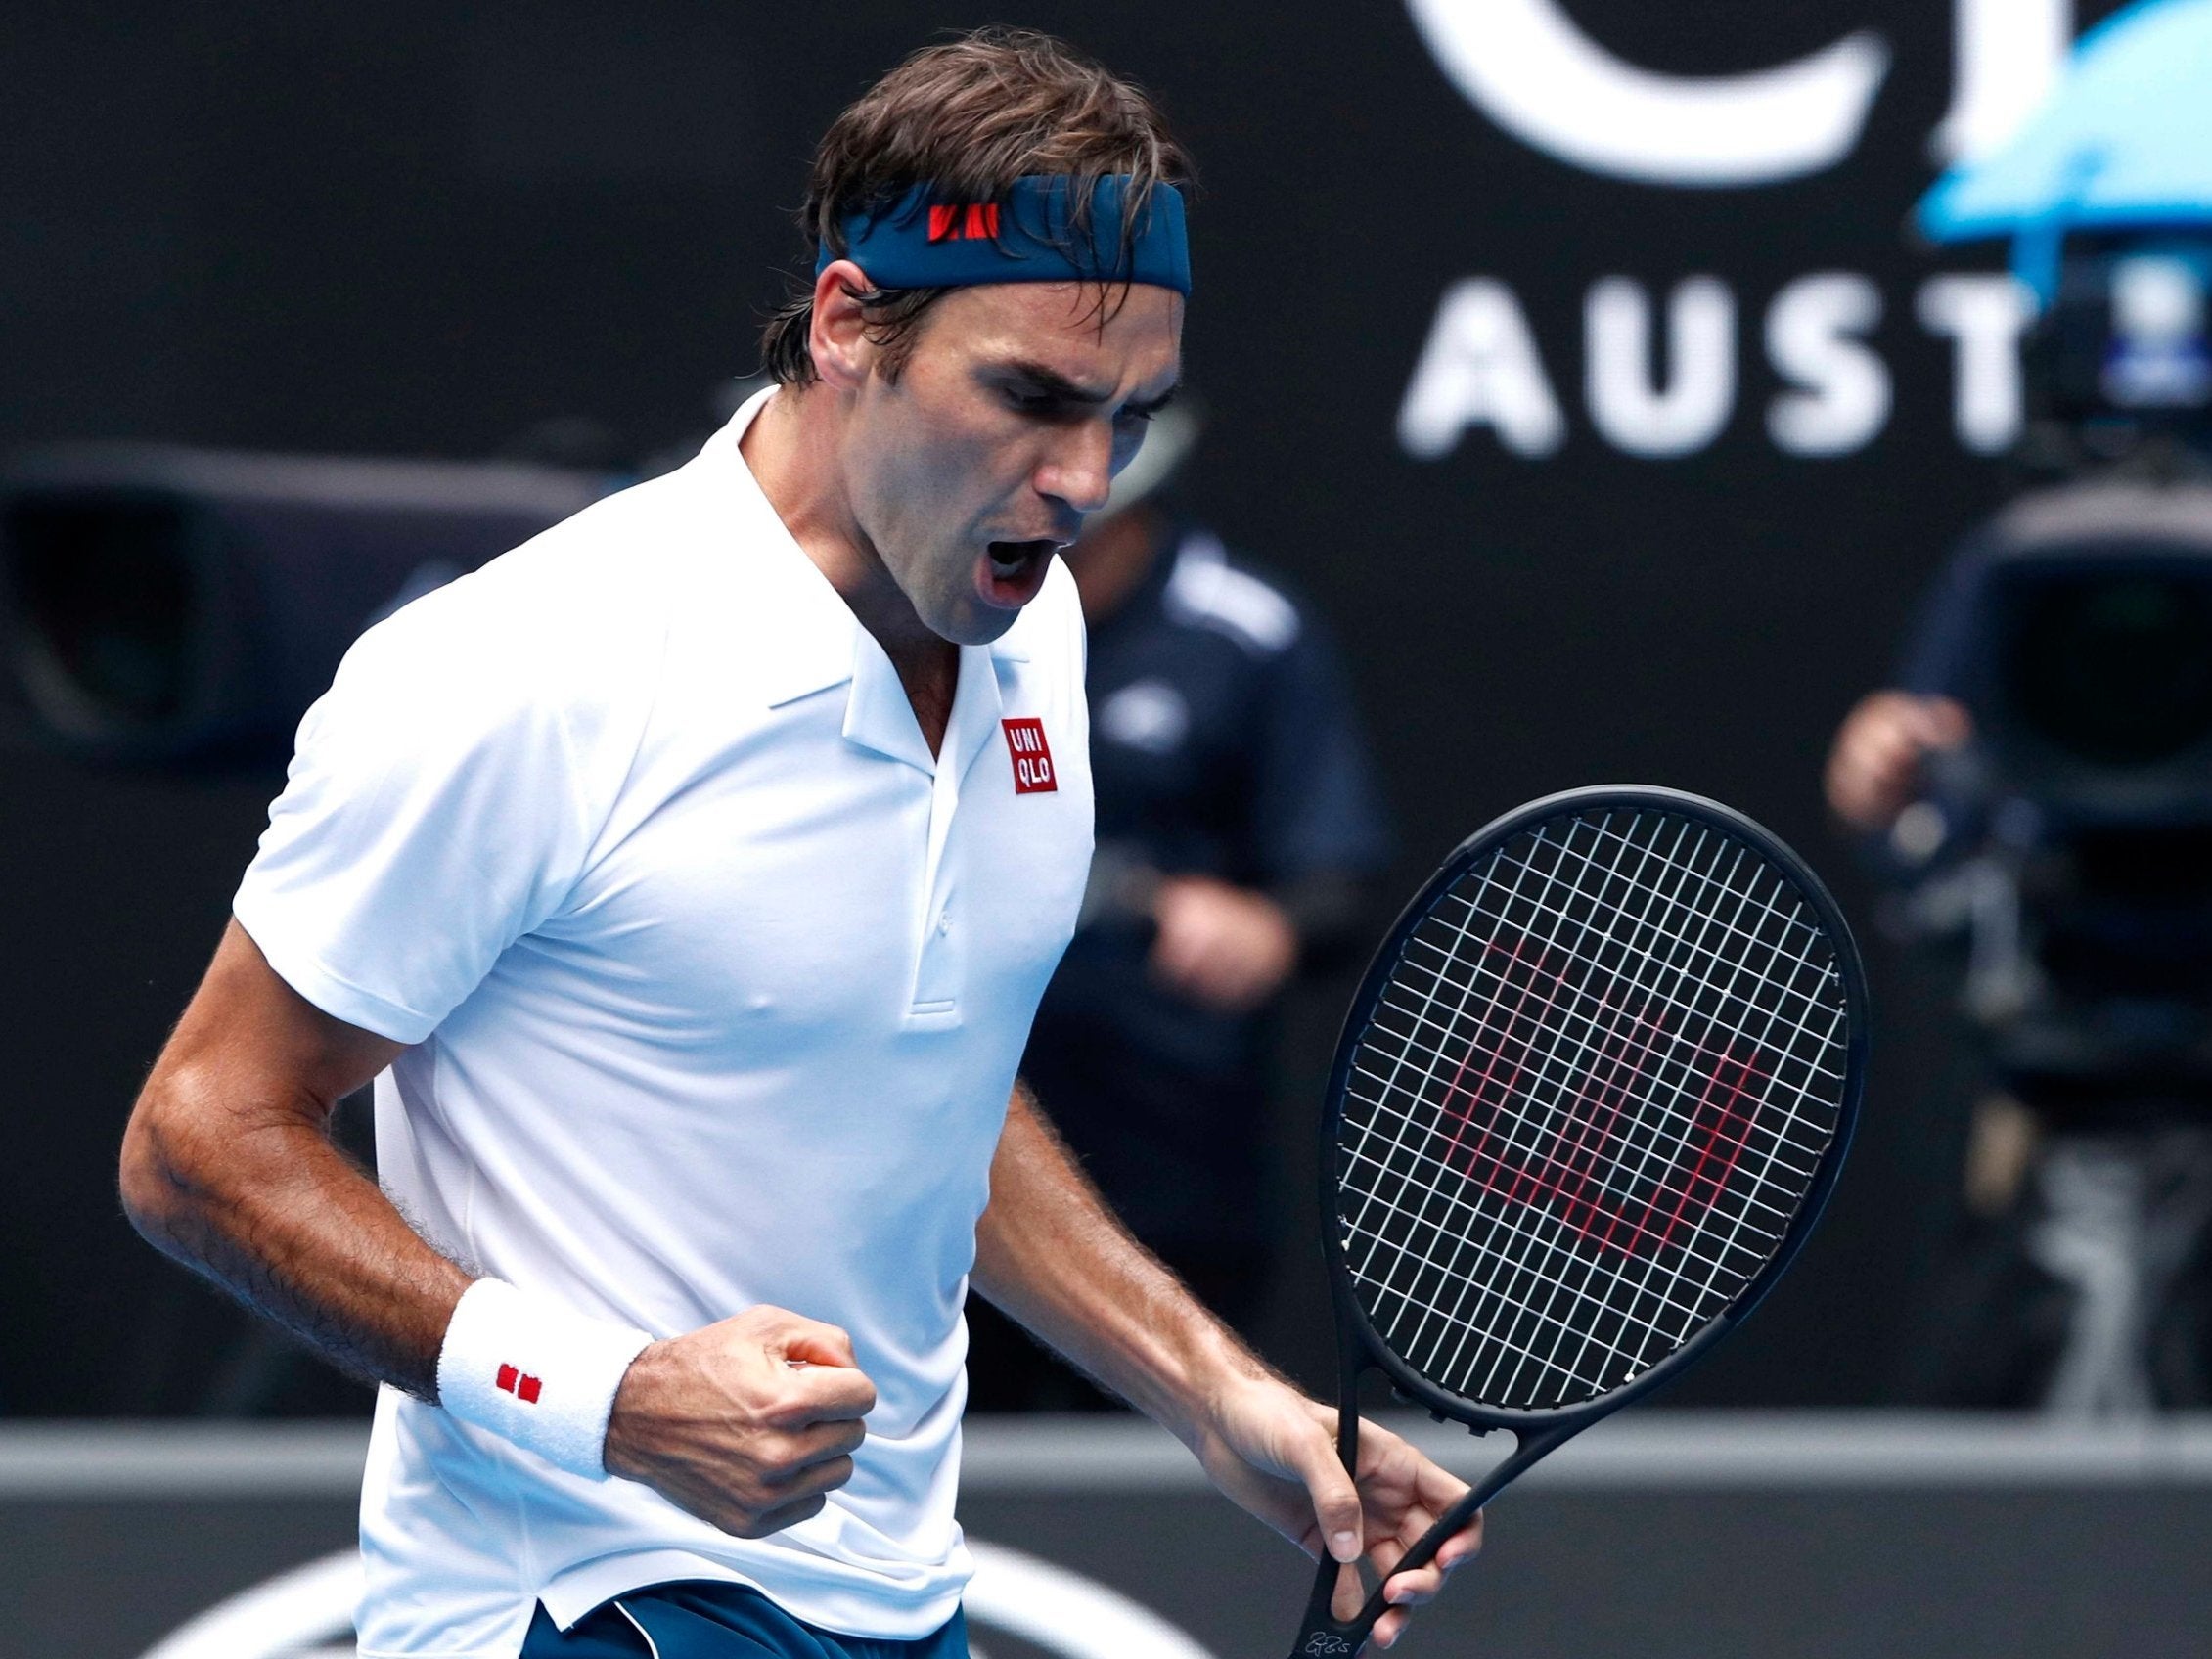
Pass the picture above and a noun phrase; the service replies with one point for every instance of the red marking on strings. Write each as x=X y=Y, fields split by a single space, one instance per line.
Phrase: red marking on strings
x=1516 y=1177
x=1731 y=1116
x=1595 y=1131
x=1463 y=1119
x=1566 y=1169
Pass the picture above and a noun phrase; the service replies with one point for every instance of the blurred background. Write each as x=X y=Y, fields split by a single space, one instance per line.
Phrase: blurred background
x=1591 y=391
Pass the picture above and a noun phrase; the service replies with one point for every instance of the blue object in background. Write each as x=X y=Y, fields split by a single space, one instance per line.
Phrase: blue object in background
x=2123 y=141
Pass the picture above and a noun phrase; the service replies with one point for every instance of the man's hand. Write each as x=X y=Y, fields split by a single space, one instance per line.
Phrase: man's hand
x=1274 y=1451
x=1222 y=946
x=1875 y=764
x=745 y=1423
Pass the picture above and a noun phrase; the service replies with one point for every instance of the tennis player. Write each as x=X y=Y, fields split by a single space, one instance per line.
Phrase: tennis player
x=685 y=879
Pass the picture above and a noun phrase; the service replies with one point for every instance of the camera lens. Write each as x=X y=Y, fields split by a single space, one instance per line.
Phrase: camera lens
x=2115 y=669
x=103 y=594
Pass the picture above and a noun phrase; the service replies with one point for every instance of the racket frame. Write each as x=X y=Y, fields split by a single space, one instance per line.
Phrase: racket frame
x=1537 y=1433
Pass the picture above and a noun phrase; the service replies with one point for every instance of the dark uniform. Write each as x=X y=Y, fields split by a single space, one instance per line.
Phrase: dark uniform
x=2072 y=627
x=1223 y=743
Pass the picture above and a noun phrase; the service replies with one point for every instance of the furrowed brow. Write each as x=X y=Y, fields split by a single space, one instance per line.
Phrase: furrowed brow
x=1054 y=383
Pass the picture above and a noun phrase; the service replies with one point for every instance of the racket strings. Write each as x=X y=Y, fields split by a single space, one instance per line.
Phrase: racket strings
x=1540 y=1181
x=1646 y=1045
x=1593 y=1092
x=1750 y=944
x=1538 y=1174
x=1638 y=1232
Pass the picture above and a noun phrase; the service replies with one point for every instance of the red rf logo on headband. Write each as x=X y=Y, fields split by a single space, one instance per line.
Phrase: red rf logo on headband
x=1032 y=760
x=971 y=223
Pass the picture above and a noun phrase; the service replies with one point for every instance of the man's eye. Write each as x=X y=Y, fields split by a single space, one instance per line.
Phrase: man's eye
x=1032 y=402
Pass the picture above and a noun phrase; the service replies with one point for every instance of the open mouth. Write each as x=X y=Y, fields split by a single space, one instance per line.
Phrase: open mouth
x=1011 y=558
x=1014 y=571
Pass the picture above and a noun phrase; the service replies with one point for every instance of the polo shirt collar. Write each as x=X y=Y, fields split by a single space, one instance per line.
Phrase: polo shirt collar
x=880 y=717
x=810 y=646
x=818 y=643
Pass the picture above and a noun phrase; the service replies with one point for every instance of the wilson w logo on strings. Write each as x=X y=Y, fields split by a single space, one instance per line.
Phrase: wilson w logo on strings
x=1562 y=1104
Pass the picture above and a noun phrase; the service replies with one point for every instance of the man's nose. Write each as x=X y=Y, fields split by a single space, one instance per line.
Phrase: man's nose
x=1080 y=470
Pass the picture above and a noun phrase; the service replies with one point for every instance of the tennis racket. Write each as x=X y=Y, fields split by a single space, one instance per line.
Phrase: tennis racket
x=1585 y=1107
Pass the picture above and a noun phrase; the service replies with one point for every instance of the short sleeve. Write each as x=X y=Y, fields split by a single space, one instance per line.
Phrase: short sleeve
x=433 y=813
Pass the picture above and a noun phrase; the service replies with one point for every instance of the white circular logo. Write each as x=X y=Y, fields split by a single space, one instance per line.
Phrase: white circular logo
x=307 y=1613
x=1531 y=69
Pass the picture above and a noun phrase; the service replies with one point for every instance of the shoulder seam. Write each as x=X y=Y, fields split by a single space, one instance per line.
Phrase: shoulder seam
x=1205 y=591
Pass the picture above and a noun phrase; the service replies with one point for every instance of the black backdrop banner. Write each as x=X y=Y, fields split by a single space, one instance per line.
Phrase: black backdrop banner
x=1572 y=355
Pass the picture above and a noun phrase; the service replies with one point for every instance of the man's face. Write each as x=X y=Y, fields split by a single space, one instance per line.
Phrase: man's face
x=1009 y=420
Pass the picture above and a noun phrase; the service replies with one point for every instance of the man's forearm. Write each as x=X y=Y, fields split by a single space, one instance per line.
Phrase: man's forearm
x=1051 y=1254
x=228 y=1166
x=286 y=1224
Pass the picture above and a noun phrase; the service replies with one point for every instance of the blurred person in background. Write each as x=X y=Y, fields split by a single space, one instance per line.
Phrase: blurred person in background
x=2036 y=788
x=2037 y=785
x=1240 y=832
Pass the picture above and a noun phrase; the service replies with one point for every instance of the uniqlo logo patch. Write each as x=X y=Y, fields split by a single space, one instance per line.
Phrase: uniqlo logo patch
x=1032 y=760
x=523 y=1388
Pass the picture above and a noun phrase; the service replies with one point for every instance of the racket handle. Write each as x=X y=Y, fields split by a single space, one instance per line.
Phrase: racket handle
x=1321 y=1634
x=1324 y=1635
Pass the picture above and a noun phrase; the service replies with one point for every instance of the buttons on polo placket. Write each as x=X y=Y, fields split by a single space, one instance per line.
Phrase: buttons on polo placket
x=940 y=974
x=937 y=975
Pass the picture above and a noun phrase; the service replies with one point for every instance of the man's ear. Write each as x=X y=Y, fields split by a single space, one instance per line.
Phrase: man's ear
x=837 y=336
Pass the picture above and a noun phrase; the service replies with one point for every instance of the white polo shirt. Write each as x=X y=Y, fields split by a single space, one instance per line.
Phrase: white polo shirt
x=715 y=980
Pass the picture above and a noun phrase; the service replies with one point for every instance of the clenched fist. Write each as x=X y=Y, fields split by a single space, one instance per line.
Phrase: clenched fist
x=745 y=1423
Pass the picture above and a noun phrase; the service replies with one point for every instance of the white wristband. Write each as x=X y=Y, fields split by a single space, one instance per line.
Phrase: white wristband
x=534 y=1373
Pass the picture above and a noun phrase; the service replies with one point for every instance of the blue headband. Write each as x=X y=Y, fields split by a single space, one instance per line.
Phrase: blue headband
x=922 y=241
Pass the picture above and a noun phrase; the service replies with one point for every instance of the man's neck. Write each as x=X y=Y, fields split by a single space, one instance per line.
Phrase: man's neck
x=794 y=448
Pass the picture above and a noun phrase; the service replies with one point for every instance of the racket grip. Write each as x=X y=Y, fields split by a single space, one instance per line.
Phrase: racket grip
x=1321 y=1634
x=1324 y=1635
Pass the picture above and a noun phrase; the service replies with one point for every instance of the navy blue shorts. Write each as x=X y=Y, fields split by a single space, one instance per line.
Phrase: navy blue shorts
x=705 y=1620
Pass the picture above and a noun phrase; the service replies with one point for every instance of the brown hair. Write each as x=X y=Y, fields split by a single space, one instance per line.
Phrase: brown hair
x=969 y=116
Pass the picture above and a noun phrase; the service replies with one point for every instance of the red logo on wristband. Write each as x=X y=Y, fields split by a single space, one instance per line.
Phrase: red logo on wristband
x=523 y=1388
